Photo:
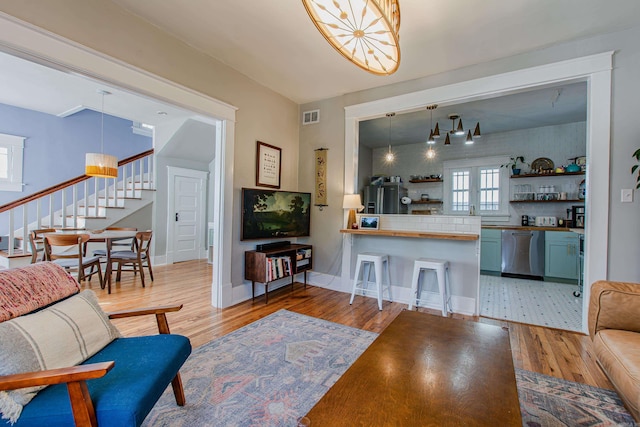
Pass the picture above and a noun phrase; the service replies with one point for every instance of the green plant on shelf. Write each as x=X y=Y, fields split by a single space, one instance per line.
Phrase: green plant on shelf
x=634 y=168
x=513 y=164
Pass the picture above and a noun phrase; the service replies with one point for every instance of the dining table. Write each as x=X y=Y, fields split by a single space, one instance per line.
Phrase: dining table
x=108 y=237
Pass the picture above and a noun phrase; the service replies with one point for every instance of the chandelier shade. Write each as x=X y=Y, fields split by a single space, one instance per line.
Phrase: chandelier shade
x=366 y=32
x=99 y=164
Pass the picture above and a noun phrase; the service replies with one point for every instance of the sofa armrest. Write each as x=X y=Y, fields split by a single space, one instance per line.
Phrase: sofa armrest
x=614 y=305
x=75 y=378
x=160 y=312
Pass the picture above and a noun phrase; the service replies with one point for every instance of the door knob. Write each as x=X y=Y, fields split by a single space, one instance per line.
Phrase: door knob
x=177 y=216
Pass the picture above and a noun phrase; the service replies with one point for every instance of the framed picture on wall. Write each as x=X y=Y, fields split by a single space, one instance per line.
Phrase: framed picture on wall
x=268 y=165
x=369 y=222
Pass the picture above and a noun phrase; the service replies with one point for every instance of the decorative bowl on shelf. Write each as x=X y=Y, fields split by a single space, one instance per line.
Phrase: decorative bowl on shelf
x=573 y=168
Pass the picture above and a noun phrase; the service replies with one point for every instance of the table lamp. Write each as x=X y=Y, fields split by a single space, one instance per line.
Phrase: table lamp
x=352 y=202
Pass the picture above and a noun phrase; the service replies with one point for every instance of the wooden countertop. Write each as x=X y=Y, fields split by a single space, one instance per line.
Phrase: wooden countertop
x=527 y=228
x=415 y=234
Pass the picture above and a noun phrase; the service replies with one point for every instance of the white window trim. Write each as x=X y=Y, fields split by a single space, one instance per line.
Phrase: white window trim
x=15 y=144
x=451 y=166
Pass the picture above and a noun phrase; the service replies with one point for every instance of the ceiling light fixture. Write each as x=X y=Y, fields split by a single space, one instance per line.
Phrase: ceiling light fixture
x=366 y=32
x=99 y=164
x=459 y=130
x=431 y=153
x=389 y=157
x=433 y=134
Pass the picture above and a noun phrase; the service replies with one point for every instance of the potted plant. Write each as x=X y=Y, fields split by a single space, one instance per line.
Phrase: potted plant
x=634 y=168
x=513 y=163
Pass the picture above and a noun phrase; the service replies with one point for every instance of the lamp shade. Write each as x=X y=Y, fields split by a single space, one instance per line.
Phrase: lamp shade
x=363 y=31
x=352 y=201
x=101 y=165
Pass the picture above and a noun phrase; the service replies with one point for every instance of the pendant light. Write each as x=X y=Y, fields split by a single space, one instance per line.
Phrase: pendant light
x=99 y=164
x=389 y=157
x=447 y=140
x=469 y=139
x=366 y=32
x=432 y=133
x=476 y=132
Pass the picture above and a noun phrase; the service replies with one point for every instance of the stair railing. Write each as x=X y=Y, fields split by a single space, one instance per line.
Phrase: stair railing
x=77 y=198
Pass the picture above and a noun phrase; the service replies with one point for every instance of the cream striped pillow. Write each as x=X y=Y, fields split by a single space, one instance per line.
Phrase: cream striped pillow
x=64 y=334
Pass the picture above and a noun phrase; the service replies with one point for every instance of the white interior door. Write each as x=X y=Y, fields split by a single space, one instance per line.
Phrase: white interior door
x=186 y=214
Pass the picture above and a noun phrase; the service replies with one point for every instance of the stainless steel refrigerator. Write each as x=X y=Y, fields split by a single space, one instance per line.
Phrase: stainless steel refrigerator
x=385 y=198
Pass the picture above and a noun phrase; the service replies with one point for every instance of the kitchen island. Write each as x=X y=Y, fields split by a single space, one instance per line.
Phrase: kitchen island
x=406 y=238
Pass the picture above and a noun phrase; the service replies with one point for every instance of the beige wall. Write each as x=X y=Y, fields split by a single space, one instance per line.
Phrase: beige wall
x=624 y=221
x=262 y=114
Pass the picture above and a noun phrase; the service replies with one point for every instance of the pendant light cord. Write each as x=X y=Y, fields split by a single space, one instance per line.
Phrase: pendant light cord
x=102 y=127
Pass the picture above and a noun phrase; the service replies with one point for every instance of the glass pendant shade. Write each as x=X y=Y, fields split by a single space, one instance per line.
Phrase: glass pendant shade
x=366 y=32
x=101 y=165
x=460 y=129
x=431 y=139
x=447 y=141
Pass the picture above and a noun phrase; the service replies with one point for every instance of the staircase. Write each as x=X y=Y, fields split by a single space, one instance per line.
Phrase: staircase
x=82 y=203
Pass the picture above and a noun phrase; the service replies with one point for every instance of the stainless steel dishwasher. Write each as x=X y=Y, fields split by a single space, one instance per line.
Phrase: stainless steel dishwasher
x=523 y=253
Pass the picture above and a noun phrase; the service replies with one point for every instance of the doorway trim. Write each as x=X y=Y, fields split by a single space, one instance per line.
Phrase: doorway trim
x=594 y=69
x=172 y=173
x=35 y=44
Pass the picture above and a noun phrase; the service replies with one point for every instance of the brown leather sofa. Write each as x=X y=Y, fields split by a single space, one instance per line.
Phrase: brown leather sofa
x=614 y=327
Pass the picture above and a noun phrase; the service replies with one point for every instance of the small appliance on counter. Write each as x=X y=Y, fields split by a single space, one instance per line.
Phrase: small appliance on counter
x=546 y=221
x=578 y=216
x=524 y=221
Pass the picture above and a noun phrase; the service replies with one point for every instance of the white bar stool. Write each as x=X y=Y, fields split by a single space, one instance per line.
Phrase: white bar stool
x=365 y=260
x=441 y=268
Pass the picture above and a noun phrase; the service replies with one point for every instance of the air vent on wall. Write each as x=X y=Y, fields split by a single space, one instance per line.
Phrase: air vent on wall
x=309 y=117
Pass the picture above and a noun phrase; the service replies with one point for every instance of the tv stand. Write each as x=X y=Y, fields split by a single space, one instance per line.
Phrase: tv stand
x=268 y=265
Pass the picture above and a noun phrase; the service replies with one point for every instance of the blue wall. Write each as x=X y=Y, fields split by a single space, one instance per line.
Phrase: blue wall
x=55 y=148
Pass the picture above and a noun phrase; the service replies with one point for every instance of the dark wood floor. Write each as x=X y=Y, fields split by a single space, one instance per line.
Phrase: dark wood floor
x=561 y=354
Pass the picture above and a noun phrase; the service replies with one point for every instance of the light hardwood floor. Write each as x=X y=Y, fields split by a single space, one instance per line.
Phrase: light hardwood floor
x=552 y=352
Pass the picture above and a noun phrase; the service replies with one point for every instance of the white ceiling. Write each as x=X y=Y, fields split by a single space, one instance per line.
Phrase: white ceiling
x=542 y=107
x=35 y=87
x=275 y=43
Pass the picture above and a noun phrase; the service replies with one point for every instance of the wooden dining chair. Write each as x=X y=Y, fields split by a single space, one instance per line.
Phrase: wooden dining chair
x=138 y=258
x=117 y=244
x=36 y=242
x=67 y=250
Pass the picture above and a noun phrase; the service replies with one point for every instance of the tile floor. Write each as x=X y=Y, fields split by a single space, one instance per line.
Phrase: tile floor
x=531 y=301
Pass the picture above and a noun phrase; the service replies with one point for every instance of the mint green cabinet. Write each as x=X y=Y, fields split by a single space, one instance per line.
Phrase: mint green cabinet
x=490 y=250
x=561 y=257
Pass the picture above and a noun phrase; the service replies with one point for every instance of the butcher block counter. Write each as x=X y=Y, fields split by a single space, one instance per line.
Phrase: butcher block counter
x=527 y=228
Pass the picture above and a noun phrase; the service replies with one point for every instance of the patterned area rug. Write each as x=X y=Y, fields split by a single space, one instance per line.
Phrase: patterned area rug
x=547 y=401
x=267 y=373
x=274 y=370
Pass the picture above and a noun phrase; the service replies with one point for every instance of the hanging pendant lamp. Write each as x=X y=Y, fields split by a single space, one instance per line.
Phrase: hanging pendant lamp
x=99 y=164
x=366 y=32
x=389 y=157
x=432 y=133
x=476 y=132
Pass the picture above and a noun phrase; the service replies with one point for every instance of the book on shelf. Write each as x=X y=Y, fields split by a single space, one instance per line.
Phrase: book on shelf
x=277 y=268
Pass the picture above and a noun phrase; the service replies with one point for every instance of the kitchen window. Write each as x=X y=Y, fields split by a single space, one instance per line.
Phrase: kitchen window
x=11 y=151
x=479 y=185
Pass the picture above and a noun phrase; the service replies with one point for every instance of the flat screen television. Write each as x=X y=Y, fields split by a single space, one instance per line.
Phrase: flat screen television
x=270 y=214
